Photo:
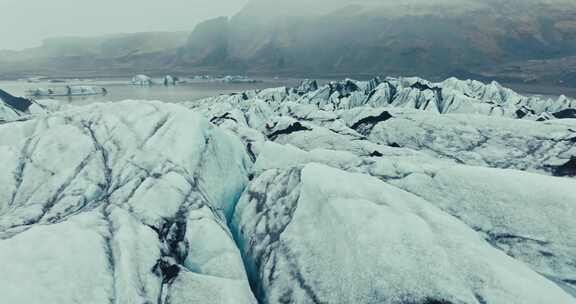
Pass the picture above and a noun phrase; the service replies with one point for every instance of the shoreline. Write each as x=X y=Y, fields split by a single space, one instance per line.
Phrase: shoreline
x=545 y=89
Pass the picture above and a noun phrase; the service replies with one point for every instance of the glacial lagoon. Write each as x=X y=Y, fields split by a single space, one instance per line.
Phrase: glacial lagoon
x=121 y=89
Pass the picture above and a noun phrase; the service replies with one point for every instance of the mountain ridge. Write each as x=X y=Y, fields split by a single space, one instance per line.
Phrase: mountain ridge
x=530 y=42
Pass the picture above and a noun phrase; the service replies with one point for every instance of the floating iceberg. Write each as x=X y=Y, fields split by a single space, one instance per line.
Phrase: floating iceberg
x=169 y=80
x=141 y=80
x=67 y=91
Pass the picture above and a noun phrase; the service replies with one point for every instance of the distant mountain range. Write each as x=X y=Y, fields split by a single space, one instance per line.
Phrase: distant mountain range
x=87 y=56
x=531 y=41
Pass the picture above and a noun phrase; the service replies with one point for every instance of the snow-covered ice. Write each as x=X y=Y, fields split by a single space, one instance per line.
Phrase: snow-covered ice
x=320 y=235
x=111 y=202
x=393 y=190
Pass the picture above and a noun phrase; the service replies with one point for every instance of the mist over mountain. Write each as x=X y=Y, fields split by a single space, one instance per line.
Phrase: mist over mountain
x=79 y=56
x=518 y=41
x=435 y=39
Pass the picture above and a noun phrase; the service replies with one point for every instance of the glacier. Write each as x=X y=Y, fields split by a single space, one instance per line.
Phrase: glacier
x=392 y=190
x=18 y=108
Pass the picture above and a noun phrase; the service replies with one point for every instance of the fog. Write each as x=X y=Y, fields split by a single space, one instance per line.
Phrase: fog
x=25 y=23
x=316 y=7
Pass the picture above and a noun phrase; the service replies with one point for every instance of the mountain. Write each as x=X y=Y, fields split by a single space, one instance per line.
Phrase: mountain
x=486 y=39
x=394 y=190
x=519 y=41
x=77 y=56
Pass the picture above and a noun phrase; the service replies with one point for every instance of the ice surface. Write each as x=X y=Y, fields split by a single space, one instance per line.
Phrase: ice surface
x=140 y=182
x=529 y=216
x=320 y=235
x=394 y=190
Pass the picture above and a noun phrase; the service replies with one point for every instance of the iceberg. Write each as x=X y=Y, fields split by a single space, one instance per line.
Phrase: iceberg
x=141 y=80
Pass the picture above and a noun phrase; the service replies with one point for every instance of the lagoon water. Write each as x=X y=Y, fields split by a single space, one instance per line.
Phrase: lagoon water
x=120 y=89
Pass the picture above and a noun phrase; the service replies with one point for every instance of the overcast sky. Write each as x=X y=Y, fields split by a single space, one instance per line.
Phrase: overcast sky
x=25 y=23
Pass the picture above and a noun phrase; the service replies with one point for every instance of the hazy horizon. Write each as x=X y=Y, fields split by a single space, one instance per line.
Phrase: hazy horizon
x=519 y=41
x=26 y=23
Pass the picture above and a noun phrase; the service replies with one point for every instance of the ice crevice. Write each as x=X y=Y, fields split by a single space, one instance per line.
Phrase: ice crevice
x=342 y=193
x=107 y=207
x=255 y=259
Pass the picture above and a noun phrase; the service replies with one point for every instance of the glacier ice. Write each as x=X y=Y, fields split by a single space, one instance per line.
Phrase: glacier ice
x=393 y=190
x=141 y=182
x=316 y=234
